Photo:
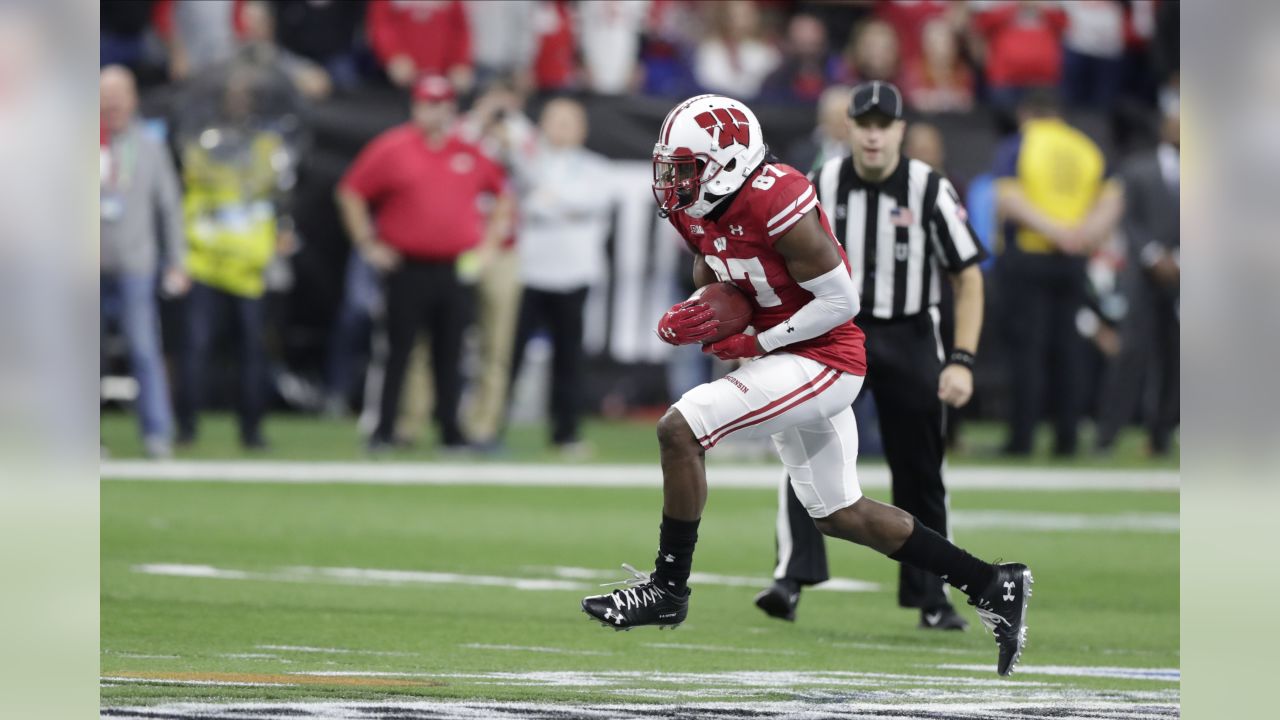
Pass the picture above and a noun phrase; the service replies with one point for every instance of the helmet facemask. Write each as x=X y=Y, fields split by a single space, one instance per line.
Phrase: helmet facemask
x=678 y=181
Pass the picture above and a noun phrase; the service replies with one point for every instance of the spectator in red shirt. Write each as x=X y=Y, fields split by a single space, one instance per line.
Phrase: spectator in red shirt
x=410 y=203
x=909 y=17
x=554 y=63
x=413 y=38
x=938 y=81
x=1024 y=48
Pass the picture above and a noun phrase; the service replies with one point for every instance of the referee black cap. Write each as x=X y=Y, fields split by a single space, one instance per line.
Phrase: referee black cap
x=876 y=96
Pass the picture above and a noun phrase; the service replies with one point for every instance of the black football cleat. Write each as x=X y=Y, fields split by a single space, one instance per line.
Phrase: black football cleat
x=779 y=600
x=1002 y=607
x=942 y=618
x=642 y=603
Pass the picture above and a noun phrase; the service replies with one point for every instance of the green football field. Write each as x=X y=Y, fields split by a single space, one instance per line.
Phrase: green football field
x=266 y=599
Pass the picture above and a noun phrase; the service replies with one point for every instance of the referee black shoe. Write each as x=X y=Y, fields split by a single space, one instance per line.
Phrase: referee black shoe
x=779 y=600
x=642 y=602
x=1002 y=607
x=943 y=617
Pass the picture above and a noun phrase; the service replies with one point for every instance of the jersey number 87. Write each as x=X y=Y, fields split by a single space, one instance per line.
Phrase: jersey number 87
x=751 y=270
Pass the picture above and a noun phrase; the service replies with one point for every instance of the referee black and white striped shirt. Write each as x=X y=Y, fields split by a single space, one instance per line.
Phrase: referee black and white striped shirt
x=900 y=234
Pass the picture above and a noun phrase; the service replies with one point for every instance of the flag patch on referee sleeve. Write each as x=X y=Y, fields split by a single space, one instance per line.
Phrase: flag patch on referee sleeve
x=901 y=217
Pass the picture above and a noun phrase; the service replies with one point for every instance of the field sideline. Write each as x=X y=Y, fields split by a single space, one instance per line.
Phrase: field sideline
x=457 y=598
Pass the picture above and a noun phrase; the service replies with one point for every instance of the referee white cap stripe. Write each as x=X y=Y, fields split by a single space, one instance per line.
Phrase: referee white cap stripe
x=794 y=218
x=787 y=210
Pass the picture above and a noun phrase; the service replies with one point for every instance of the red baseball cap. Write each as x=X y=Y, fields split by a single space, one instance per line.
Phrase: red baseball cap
x=433 y=88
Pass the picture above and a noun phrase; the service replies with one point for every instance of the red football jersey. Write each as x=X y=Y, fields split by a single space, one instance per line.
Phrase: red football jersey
x=738 y=246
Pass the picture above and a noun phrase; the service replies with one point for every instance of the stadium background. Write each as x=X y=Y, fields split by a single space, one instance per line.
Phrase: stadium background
x=349 y=588
x=627 y=371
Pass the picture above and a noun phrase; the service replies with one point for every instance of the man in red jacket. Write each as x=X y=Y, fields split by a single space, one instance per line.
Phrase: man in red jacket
x=413 y=38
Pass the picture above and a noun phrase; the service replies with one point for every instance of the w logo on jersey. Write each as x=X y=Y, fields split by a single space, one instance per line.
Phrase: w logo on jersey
x=731 y=123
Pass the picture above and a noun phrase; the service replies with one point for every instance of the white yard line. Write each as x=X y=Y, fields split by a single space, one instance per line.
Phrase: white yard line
x=190 y=683
x=1123 y=673
x=720 y=649
x=646 y=476
x=254 y=656
x=1064 y=522
x=370 y=576
x=332 y=651
x=533 y=649
x=914 y=649
x=356 y=576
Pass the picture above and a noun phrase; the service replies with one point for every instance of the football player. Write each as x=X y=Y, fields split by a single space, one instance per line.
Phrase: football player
x=757 y=224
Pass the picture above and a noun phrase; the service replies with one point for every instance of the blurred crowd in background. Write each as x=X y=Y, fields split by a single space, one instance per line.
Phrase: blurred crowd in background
x=206 y=223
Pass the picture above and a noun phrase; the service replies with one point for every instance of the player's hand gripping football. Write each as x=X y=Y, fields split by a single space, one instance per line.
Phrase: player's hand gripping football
x=687 y=323
x=735 y=347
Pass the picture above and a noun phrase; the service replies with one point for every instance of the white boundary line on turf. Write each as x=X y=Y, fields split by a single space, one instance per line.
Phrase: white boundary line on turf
x=1125 y=673
x=613 y=476
x=382 y=576
x=886 y=706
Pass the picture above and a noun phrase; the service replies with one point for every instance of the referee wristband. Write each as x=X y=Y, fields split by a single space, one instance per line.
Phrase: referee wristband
x=963 y=358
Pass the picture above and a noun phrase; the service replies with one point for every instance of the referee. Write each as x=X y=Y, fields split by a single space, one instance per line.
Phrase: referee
x=903 y=226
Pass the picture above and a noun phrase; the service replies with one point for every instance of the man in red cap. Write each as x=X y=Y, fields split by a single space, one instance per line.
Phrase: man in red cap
x=411 y=204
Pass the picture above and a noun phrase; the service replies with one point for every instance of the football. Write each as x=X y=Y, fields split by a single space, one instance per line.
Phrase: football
x=732 y=308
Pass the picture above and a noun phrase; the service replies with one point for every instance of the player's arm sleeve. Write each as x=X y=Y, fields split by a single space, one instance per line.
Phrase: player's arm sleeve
x=834 y=303
x=814 y=260
x=948 y=228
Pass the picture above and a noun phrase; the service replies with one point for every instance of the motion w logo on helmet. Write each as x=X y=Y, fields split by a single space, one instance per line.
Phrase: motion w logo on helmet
x=731 y=122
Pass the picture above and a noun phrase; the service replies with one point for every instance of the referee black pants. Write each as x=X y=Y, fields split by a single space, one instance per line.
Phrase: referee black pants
x=425 y=295
x=904 y=361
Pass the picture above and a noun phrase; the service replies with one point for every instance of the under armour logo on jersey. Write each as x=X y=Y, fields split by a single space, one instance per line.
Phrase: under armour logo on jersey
x=735 y=230
x=696 y=229
x=669 y=558
x=721 y=244
x=1008 y=590
x=726 y=126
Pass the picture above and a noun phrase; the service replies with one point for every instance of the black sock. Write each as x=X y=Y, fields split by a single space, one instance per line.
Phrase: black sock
x=927 y=550
x=675 y=553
